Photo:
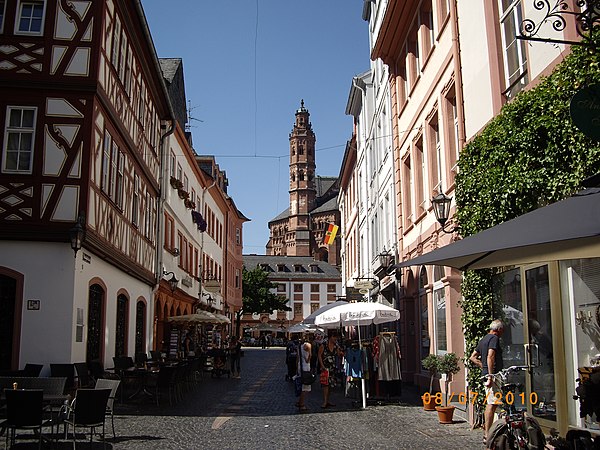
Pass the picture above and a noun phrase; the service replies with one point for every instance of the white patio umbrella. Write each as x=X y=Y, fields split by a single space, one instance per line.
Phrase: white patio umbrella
x=222 y=318
x=310 y=319
x=357 y=314
x=198 y=317
x=302 y=327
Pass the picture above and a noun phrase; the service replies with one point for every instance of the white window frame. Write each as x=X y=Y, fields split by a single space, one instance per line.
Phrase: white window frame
x=439 y=293
x=106 y=150
x=20 y=130
x=116 y=44
x=3 y=14
x=114 y=162
x=135 y=202
x=120 y=182
x=20 y=5
x=148 y=216
x=513 y=11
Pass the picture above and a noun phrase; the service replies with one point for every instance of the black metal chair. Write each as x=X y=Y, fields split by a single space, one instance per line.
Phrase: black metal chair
x=84 y=380
x=32 y=370
x=88 y=410
x=24 y=411
x=141 y=358
x=113 y=385
x=123 y=363
x=165 y=380
x=67 y=371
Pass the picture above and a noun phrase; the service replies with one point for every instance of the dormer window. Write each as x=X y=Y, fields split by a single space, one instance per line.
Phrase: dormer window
x=297 y=267
x=280 y=267
x=314 y=268
x=265 y=267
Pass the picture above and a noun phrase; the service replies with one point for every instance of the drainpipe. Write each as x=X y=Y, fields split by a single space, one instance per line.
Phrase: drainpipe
x=161 y=199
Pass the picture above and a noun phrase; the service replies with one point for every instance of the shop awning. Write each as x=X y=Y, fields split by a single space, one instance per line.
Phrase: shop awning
x=568 y=229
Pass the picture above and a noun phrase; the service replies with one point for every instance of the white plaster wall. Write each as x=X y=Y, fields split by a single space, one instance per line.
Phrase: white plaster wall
x=474 y=58
x=115 y=280
x=47 y=335
x=60 y=282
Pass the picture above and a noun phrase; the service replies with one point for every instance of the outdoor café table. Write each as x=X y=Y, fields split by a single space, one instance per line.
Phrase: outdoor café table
x=139 y=376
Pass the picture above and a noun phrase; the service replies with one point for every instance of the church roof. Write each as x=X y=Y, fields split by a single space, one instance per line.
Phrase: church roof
x=283 y=215
x=292 y=267
x=323 y=184
x=329 y=205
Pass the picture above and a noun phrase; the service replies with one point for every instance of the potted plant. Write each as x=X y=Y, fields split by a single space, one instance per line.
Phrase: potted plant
x=176 y=183
x=447 y=366
x=431 y=363
x=183 y=194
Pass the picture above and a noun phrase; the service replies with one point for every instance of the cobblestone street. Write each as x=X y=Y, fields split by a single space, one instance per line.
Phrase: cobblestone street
x=258 y=412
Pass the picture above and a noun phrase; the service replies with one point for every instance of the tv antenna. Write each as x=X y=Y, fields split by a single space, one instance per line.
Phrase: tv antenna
x=188 y=125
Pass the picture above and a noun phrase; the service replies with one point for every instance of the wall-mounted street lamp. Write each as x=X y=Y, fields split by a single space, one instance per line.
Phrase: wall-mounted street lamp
x=385 y=258
x=77 y=233
x=441 y=209
x=173 y=281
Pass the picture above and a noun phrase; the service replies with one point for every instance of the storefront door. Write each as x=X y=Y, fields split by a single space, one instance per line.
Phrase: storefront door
x=541 y=383
x=531 y=311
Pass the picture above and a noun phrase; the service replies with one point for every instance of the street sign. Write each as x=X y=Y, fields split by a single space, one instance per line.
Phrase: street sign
x=365 y=283
x=212 y=286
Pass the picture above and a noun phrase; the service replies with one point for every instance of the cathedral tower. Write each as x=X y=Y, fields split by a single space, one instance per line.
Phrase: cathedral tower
x=302 y=182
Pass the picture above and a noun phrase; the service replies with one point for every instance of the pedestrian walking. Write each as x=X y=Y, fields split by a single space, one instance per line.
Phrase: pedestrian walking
x=291 y=358
x=304 y=366
x=263 y=341
x=488 y=356
x=235 y=354
x=328 y=354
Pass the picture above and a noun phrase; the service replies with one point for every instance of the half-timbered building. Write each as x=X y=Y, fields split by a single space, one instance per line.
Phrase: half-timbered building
x=84 y=110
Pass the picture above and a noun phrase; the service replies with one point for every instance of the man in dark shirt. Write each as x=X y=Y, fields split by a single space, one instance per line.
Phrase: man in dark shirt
x=488 y=356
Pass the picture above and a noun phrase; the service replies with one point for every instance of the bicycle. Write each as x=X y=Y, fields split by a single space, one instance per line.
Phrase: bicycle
x=515 y=429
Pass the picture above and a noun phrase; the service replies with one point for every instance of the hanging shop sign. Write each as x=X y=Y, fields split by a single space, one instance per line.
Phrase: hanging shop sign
x=585 y=111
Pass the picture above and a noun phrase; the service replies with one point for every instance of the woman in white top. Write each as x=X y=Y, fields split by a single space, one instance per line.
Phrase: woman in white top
x=304 y=365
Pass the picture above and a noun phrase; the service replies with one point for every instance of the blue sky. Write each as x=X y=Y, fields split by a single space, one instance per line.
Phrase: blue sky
x=247 y=64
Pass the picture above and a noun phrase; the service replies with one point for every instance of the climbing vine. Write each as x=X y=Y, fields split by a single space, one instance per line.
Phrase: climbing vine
x=528 y=156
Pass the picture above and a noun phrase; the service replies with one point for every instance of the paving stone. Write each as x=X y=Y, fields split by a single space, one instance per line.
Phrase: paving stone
x=258 y=412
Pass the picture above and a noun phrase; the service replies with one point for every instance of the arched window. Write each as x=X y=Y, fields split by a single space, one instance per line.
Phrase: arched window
x=95 y=334
x=121 y=326
x=140 y=327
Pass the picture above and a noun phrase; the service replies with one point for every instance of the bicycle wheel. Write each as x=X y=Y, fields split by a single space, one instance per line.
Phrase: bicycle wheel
x=502 y=442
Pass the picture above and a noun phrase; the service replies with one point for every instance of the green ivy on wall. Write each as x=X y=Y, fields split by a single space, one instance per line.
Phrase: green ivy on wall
x=528 y=156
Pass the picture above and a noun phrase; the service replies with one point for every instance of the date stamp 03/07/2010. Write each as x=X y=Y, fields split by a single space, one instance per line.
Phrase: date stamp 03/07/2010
x=498 y=397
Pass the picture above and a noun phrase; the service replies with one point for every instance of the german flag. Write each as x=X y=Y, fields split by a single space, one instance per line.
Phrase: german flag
x=330 y=234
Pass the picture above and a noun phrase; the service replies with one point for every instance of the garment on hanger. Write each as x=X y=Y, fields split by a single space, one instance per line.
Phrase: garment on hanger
x=388 y=359
x=354 y=363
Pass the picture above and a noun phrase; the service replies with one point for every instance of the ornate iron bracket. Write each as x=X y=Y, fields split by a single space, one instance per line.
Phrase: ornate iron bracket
x=556 y=13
